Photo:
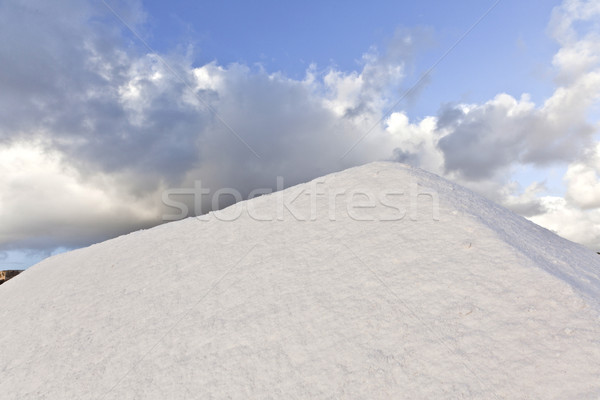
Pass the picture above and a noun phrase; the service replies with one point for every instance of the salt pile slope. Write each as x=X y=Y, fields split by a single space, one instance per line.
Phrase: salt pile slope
x=351 y=302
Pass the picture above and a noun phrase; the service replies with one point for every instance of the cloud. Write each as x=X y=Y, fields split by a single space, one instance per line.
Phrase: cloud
x=98 y=127
x=571 y=222
x=480 y=141
x=564 y=21
x=46 y=204
x=55 y=62
x=482 y=145
x=66 y=78
x=583 y=181
x=528 y=203
x=416 y=143
x=371 y=90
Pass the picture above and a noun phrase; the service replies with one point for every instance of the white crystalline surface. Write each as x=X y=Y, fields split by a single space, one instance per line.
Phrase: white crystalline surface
x=475 y=302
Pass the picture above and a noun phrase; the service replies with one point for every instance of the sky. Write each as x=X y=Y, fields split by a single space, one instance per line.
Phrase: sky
x=105 y=105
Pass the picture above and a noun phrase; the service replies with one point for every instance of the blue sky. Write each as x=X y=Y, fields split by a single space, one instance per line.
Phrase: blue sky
x=95 y=126
x=508 y=51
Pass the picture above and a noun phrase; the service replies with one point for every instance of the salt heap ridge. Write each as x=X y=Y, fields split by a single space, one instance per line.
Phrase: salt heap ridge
x=410 y=287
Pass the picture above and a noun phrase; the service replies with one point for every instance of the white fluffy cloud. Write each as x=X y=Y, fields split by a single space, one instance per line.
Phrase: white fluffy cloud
x=483 y=144
x=483 y=140
x=46 y=204
x=569 y=221
x=577 y=215
x=583 y=181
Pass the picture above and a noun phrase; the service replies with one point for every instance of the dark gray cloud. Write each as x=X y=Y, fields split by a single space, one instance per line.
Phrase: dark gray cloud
x=51 y=55
x=77 y=81
x=480 y=141
x=405 y=157
x=64 y=70
x=529 y=209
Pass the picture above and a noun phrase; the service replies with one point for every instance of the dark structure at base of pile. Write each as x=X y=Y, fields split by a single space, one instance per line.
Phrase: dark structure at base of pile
x=8 y=274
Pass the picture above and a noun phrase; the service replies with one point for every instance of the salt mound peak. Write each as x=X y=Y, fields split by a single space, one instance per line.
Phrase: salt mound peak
x=380 y=281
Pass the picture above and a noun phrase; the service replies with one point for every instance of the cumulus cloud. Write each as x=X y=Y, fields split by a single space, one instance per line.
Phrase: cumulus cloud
x=370 y=90
x=583 y=181
x=480 y=141
x=46 y=204
x=416 y=143
x=571 y=222
x=527 y=202
x=484 y=144
x=99 y=127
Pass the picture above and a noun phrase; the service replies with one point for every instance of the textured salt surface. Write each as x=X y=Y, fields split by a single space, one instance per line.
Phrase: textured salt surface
x=479 y=303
